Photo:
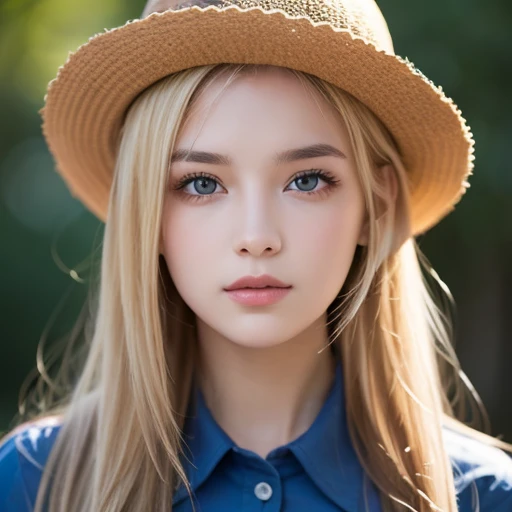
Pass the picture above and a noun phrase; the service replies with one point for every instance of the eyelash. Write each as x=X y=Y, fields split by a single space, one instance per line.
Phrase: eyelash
x=331 y=181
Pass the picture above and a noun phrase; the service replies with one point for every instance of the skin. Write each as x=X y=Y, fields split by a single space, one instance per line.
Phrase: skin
x=260 y=370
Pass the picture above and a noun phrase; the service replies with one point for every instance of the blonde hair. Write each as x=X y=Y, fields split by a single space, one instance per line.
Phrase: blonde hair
x=130 y=399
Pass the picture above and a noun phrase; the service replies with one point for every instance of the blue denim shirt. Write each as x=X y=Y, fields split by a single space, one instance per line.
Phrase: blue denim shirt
x=317 y=471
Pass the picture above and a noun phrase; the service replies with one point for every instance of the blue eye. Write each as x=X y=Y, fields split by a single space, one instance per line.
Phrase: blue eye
x=204 y=185
x=309 y=181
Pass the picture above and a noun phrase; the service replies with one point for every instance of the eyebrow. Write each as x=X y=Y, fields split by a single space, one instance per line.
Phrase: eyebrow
x=290 y=155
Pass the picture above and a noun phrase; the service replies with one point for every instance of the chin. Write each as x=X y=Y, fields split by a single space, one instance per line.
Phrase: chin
x=251 y=331
x=257 y=343
x=255 y=337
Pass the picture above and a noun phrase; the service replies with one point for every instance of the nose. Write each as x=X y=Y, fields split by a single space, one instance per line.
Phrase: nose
x=257 y=227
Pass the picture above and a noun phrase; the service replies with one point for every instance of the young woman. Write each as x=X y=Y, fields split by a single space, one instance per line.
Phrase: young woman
x=264 y=337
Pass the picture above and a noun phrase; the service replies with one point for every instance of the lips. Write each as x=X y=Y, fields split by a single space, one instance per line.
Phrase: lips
x=263 y=281
x=258 y=296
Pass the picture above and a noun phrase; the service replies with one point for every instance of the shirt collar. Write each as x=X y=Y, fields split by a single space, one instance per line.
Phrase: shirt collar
x=325 y=451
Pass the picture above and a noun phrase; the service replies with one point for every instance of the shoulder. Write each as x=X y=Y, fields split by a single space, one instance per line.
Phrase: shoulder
x=482 y=473
x=23 y=455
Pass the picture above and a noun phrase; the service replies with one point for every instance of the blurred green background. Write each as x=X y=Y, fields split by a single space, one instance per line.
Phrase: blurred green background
x=47 y=238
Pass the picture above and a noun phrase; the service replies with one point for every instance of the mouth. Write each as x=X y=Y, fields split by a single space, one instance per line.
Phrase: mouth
x=263 y=287
x=256 y=282
x=258 y=296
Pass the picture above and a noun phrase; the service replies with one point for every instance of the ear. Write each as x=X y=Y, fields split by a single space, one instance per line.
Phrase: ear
x=391 y=186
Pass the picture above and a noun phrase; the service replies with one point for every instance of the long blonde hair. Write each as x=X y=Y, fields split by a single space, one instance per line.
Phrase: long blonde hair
x=121 y=439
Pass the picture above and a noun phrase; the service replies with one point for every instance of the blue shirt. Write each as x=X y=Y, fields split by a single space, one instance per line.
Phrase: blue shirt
x=317 y=471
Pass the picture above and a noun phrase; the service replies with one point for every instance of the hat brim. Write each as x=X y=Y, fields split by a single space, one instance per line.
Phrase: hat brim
x=86 y=102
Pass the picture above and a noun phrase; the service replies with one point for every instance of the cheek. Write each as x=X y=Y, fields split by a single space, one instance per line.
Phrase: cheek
x=189 y=247
x=327 y=240
x=179 y=243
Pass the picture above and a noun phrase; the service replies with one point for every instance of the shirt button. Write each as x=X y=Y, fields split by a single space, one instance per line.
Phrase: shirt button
x=263 y=491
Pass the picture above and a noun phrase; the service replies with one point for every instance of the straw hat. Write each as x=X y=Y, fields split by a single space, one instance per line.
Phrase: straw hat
x=345 y=42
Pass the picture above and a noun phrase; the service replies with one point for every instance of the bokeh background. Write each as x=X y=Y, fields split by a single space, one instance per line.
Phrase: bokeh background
x=48 y=240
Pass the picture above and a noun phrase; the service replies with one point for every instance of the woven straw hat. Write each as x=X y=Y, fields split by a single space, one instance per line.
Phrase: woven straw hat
x=345 y=42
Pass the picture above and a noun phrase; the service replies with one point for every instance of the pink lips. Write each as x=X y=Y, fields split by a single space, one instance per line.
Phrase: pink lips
x=257 y=291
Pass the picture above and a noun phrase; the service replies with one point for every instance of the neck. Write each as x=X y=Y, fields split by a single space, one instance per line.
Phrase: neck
x=265 y=397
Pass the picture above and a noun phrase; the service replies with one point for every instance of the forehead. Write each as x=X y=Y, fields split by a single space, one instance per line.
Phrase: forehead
x=268 y=103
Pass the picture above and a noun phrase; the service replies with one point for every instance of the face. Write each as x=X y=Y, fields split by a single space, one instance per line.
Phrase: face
x=298 y=217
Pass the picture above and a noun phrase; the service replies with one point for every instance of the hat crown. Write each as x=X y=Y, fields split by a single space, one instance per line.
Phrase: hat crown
x=362 y=18
x=346 y=43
